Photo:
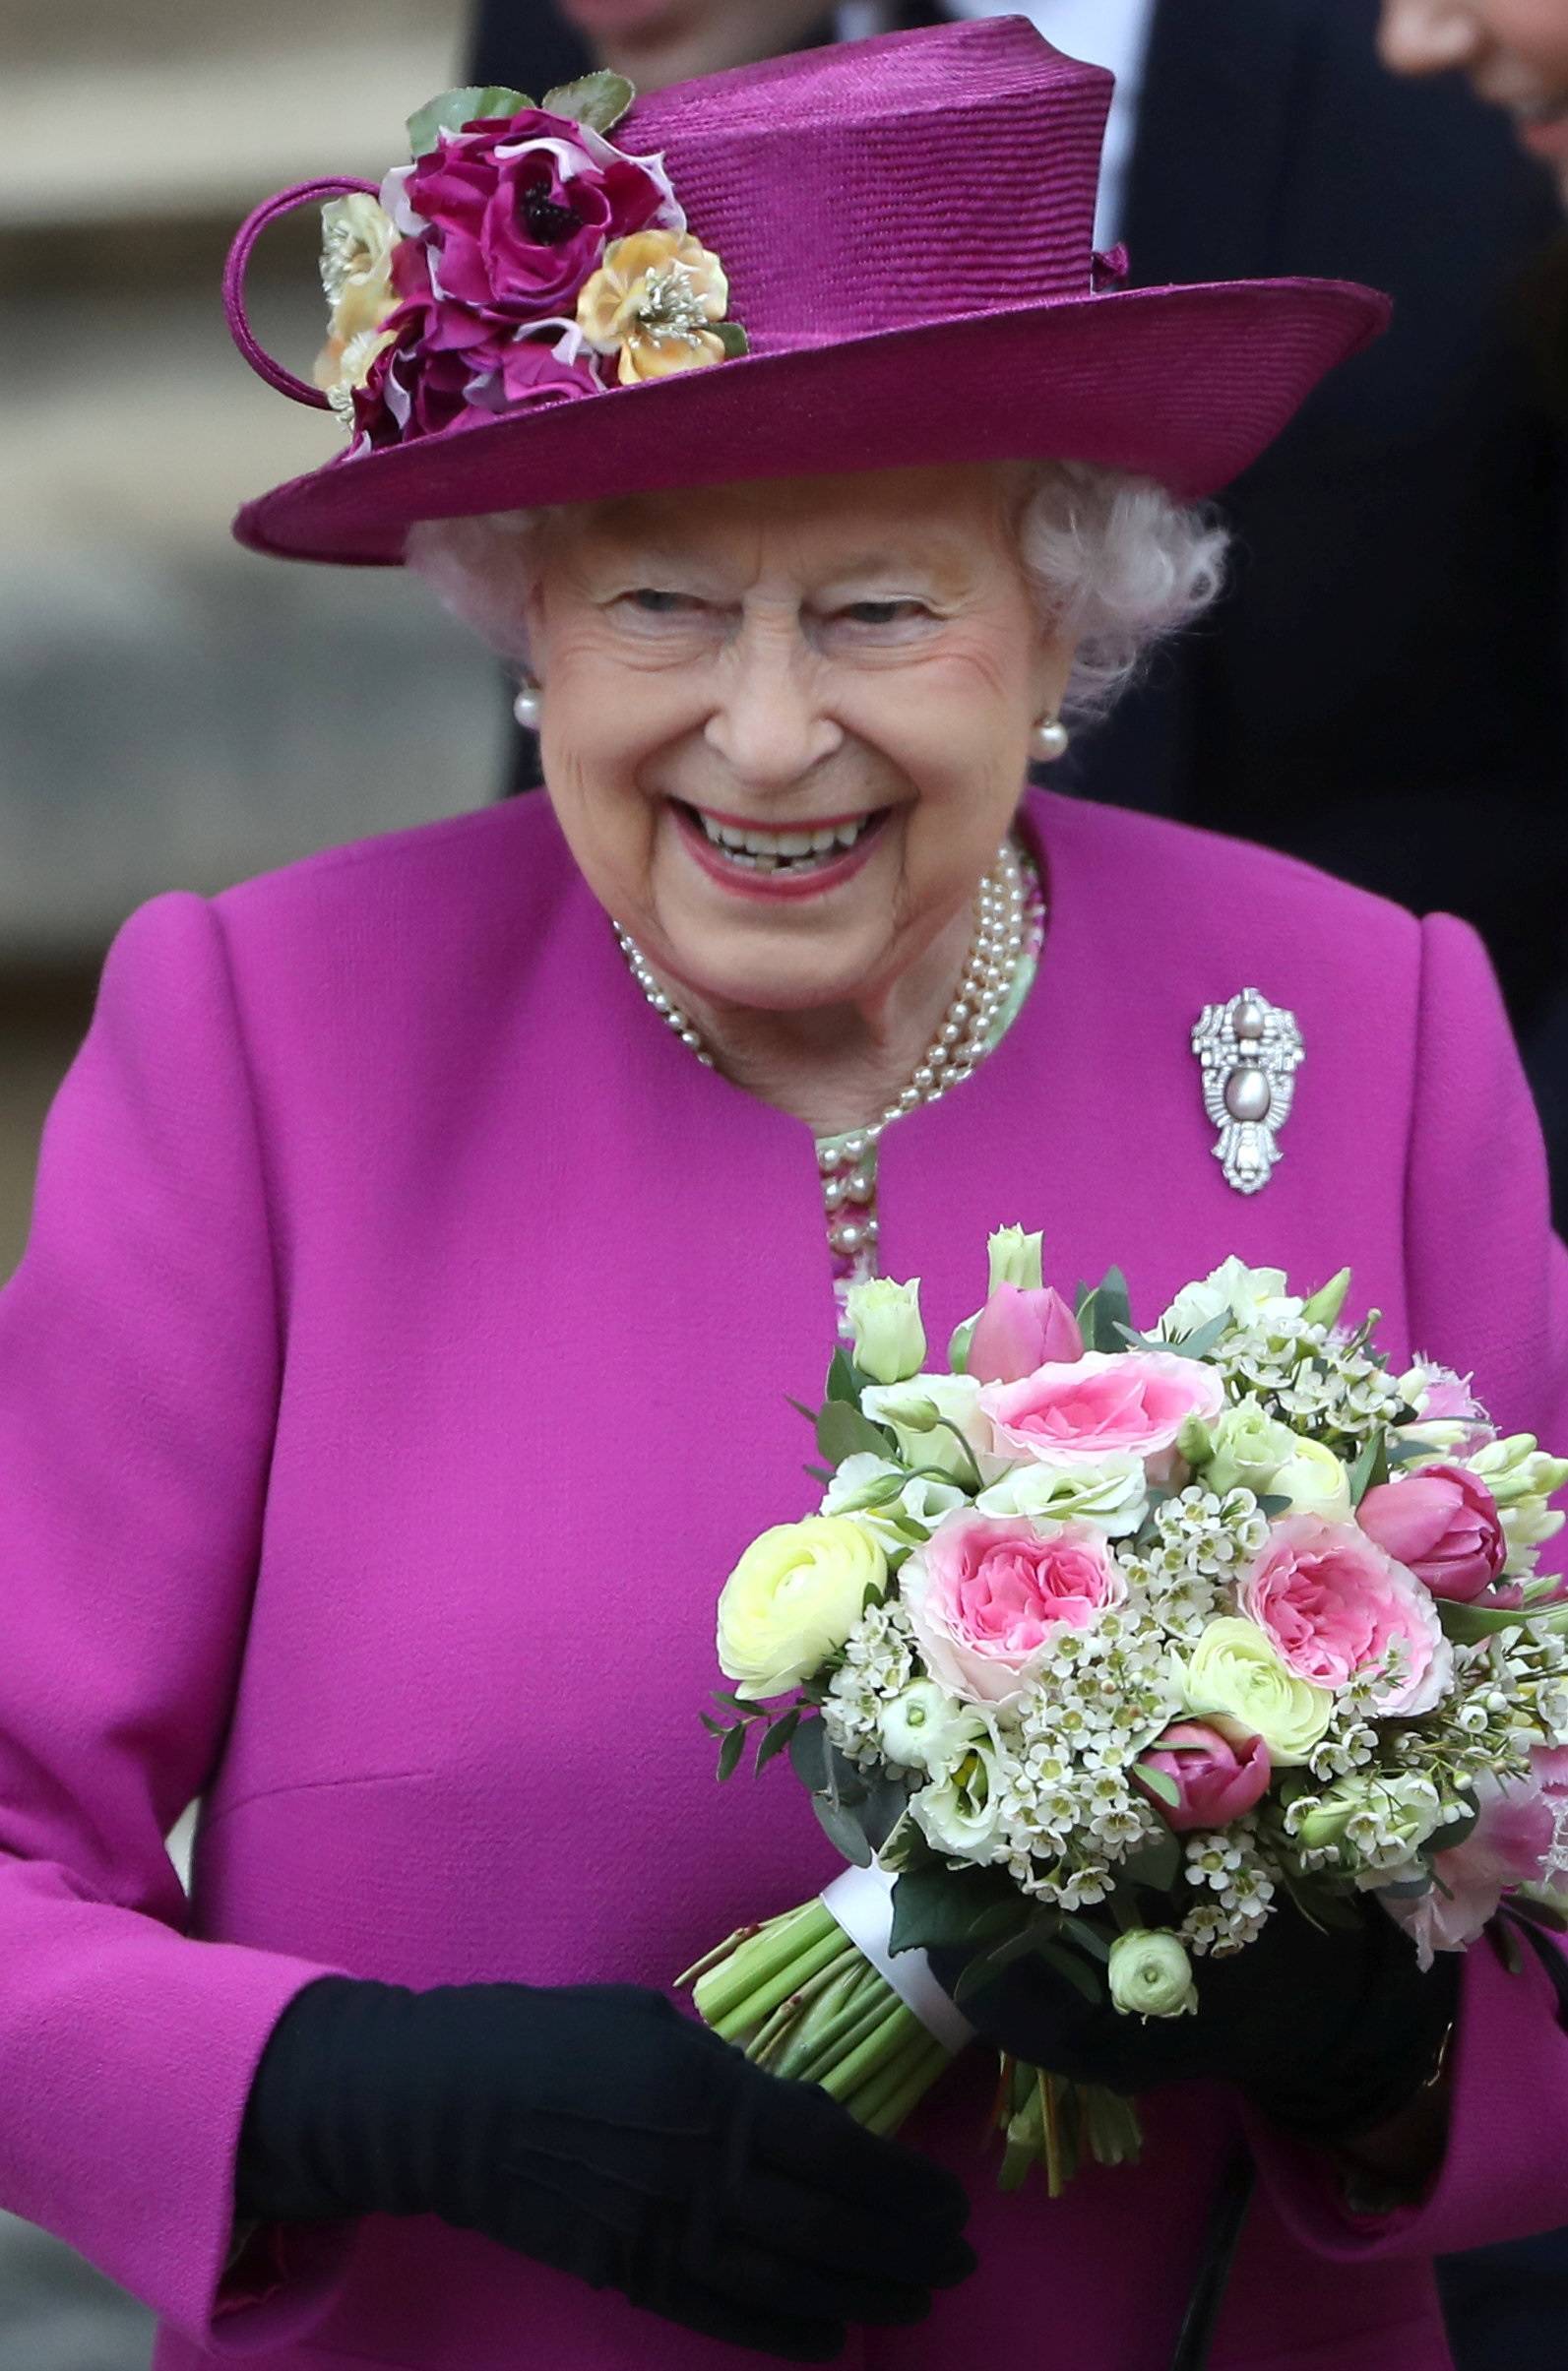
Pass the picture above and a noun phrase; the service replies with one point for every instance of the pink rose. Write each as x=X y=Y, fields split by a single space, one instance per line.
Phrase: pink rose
x=1219 y=1773
x=1508 y=1846
x=1334 y=1602
x=1128 y=1400
x=1019 y=1331
x=1442 y=1523
x=518 y=212
x=986 y=1595
x=452 y=368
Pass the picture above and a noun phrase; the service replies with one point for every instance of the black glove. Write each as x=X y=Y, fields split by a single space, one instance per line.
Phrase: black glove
x=1328 y=2031
x=595 y=2128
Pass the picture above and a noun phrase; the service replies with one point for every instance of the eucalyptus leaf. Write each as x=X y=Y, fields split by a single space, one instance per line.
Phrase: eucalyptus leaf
x=597 y=100
x=1112 y=1311
x=730 y=1751
x=1160 y=1782
x=1468 y=1623
x=843 y=1432
x=777 y=1738
x=885 y=1803
x=454 y=109
x=715 y=1727
x=1271 y=1503
x=1201 y=1341
x=808 y=1755
x=843 y=1829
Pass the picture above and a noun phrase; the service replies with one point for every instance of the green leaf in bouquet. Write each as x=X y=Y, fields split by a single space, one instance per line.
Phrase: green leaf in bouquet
x=1086 y=1937
x=775 y=1739
x=1466 y=1624
x=1110 y=1309
x=843 y=1829
x=843 y=1381
x=1457 y=1831
x=1321 y=1904
x=597 y=100
x=932 y=1905
x=997 y=1918
x=988 y=1965
x=958 y=1345
x=1371 y=1467
x=714 y=1727
x=1160 y=1782
x=843 y=1432
x=454 y=109
x=883 y=1806
x=730 y=1751
x=1271 y=1503
x=800 y=1409
x=808 y=1756
x=1155 y=1864
x=1069 y=1963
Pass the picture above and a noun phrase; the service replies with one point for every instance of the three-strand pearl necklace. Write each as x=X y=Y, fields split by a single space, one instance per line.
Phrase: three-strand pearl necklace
x=847 y=1162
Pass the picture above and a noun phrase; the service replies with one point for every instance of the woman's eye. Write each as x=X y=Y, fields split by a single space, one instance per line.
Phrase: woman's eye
x=650 y=600
x=882 y=613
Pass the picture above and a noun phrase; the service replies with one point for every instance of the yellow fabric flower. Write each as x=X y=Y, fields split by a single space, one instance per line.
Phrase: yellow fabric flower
x=653 y=301
x=359 y=236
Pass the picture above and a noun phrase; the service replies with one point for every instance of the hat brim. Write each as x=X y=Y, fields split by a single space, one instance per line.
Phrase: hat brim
x=1186 y=385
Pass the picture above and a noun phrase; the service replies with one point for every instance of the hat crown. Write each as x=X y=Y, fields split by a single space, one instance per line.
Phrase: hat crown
x=903 y=180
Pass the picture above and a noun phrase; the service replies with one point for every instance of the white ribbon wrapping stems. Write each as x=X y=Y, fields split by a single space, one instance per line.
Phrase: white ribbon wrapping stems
x=862 y=1901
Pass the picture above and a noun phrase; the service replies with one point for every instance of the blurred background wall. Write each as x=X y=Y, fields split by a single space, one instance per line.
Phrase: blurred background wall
x=173 y=712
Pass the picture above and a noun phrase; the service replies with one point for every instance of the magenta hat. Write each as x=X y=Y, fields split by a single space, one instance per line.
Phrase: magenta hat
x=858 y=258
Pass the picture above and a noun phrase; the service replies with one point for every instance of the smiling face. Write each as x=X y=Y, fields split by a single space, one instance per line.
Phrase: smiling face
x=785 y=726
x=1515 y=52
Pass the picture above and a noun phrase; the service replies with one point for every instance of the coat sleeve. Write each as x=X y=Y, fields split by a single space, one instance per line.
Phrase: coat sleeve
x=139 y=1361
x=1487 y=1290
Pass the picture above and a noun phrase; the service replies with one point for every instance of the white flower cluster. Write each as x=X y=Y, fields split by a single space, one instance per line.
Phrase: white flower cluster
x=878 y=1665
x=1321 y=1382
x=1236 y=1890
x=1202 y=1544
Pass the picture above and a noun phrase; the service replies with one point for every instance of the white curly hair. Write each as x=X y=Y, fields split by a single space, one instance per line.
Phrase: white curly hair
x=1114 y=559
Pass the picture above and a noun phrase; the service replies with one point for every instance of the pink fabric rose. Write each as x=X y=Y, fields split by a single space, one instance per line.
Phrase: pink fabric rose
x=1135 y=1401
x=1019 y=1331
x=1334 y=1602
x=518 y=211
x=1218 y=1772
x=986 y=1595
x=1442 y=1523
x=452 y=368
x=1508 y=1846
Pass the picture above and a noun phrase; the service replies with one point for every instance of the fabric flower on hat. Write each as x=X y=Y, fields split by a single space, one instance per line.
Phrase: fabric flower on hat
x=518 y=211
x=654 y=302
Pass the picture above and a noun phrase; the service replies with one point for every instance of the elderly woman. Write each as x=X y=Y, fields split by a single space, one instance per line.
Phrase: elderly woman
x=428 y=1234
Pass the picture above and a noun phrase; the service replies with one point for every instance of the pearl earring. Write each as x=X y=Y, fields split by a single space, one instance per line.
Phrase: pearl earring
x=1049 y=739
x=527 y=708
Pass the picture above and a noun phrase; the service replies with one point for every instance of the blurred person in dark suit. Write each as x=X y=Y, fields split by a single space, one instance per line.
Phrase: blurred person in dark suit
x=1403 y=539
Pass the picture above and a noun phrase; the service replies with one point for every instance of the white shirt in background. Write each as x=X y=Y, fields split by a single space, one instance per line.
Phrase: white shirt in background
x=1105 y=32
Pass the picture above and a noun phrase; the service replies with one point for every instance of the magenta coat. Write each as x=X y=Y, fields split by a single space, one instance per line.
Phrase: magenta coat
x=396 y=1369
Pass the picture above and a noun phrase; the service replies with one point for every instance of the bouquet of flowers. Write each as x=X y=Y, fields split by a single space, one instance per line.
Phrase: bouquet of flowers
x=1104 y=1643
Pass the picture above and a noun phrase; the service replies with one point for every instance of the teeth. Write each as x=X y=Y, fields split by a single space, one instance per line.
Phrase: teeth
x=766 y=851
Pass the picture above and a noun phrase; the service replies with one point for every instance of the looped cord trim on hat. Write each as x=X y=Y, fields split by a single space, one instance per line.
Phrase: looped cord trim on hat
x=1108 y=270
x=239 y=329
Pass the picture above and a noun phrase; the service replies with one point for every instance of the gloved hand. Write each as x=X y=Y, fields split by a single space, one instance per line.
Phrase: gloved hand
x=1328 y=2031
x=596 y=2129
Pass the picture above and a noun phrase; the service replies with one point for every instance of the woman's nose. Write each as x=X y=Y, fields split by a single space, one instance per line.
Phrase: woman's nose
x=1427 y=36
x=768 y=722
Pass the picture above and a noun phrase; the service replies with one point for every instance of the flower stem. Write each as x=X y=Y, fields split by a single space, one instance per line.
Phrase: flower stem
x=931 y=2063
x=756 y=2006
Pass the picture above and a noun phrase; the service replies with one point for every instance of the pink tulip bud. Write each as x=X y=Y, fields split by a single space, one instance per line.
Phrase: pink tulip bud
x=1442 y=1525
x=1219 y=1774
x=1017 y=1331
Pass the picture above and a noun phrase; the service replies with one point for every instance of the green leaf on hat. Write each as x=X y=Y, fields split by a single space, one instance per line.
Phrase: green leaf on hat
x=597 y=100
x=455 y=109
x=734 y=338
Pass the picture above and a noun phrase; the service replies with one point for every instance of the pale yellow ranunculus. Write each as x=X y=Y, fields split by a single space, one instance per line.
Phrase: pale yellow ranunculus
x=653 y=301
x=1234 y=1669
x=1149 y=1974
x=792 y=1601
